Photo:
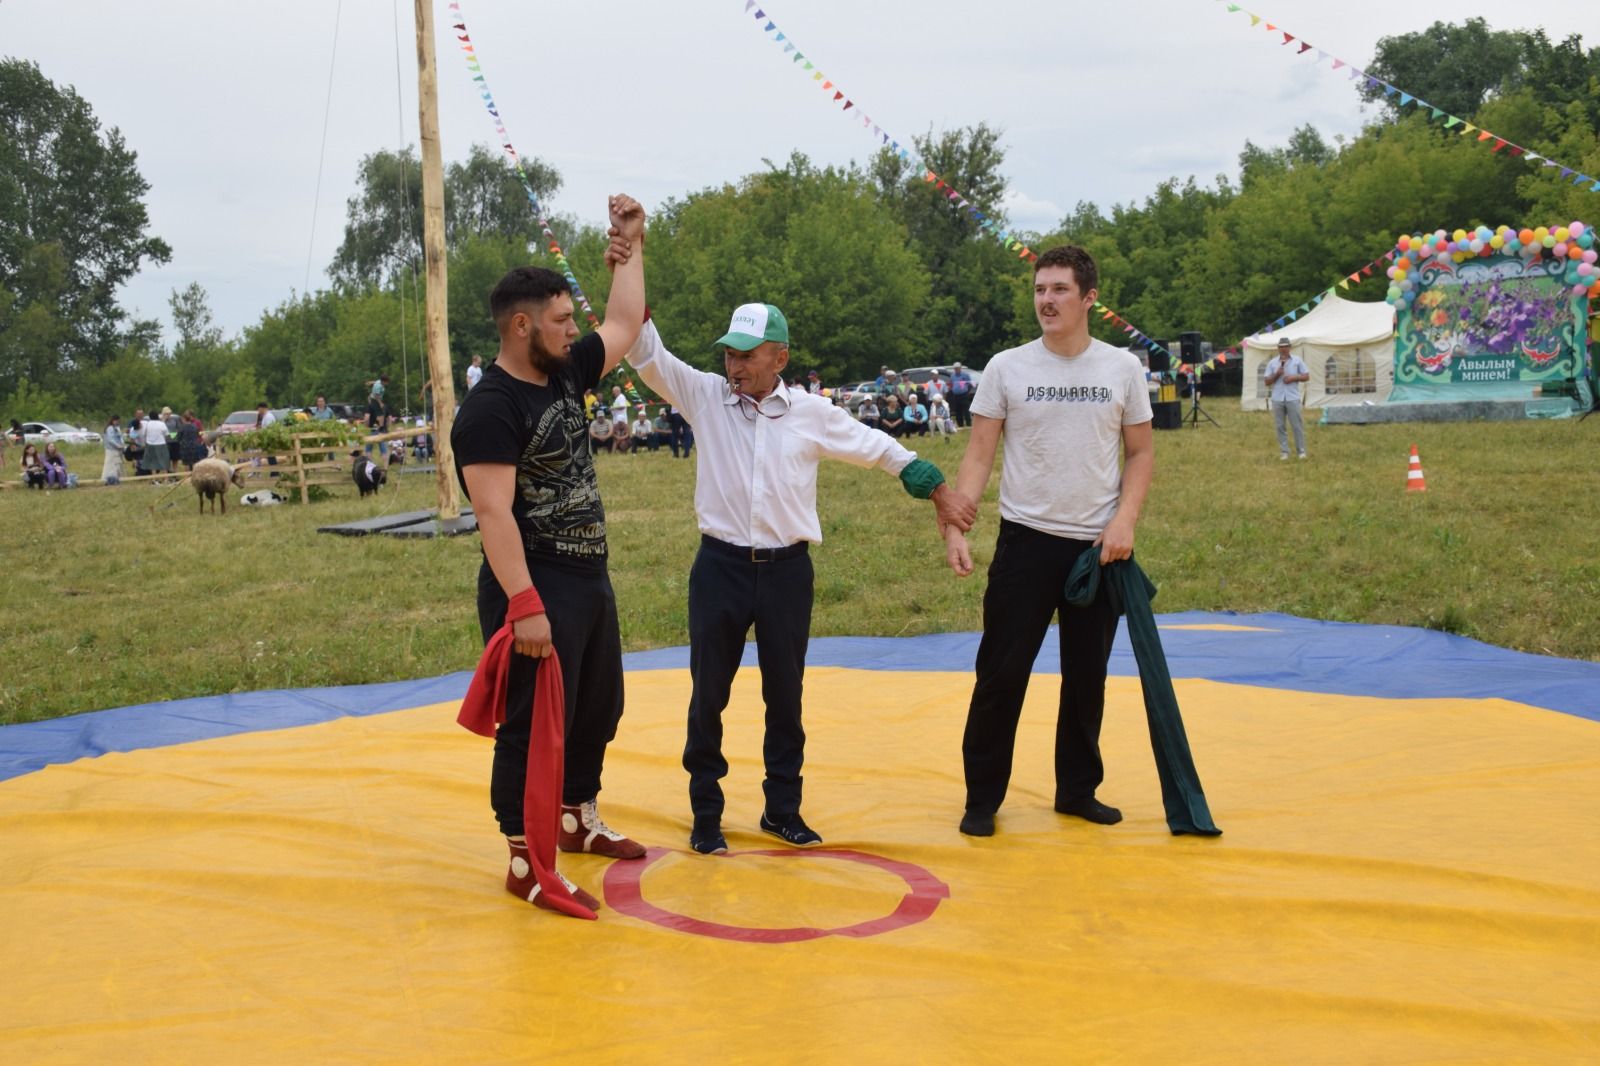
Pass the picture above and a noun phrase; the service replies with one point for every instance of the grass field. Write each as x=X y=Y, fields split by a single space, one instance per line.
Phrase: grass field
x=112 y=603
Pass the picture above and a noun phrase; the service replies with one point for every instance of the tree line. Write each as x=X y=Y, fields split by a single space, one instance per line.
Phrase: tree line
x=871 y=265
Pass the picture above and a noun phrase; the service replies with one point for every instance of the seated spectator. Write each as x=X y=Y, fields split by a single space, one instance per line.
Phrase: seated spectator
x=33 y=474
x=916 y=419
x=600 y=432
x=939 y=418
x=867 y=413
x=894 y=420
x=663 y=428
x=644 y=434
x=55 y=466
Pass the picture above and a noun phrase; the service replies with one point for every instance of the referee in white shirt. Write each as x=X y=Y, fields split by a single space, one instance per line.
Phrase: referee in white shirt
x=756 y=501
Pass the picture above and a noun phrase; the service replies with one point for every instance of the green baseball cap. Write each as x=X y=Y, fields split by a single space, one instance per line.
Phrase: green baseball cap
x=754 y=324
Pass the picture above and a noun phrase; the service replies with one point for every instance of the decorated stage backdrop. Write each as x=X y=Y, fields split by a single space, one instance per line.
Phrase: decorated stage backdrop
x=1494 y=316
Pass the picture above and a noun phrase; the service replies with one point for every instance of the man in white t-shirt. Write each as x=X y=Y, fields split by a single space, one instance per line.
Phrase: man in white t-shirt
x=1079 y=455
x=1283 y=377
x=474 y=372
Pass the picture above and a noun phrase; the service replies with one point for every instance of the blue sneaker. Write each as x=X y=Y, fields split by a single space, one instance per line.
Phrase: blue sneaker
x=791 y=829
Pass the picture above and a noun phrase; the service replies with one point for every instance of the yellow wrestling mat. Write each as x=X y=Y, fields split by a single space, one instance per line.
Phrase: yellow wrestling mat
x=1400 y=880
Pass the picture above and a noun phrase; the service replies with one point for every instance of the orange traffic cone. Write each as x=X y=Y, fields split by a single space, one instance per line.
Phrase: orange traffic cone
x=1414 y=479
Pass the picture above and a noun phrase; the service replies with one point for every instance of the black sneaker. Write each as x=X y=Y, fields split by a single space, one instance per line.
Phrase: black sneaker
x=791 y=829
x=977 y=824
x=1090 y=810
x=707 y=838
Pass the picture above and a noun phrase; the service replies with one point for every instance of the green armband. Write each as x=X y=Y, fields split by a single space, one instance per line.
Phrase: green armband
x=920 y=478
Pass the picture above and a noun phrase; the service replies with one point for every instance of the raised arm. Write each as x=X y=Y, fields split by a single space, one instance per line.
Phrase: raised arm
x=625 y=305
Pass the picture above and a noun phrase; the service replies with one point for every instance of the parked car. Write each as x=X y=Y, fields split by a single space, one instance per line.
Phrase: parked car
x=853 y=396
x=60 y=432
x=921 y=375
x=245 y=421
x=343 y=412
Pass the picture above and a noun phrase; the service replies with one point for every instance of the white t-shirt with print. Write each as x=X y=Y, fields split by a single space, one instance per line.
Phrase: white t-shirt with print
x=1063 y=432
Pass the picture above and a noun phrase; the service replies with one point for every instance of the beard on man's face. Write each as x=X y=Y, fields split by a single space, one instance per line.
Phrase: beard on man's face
x=543 y=359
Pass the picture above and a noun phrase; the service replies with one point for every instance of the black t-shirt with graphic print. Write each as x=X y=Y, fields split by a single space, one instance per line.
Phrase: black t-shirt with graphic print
x=542 y=429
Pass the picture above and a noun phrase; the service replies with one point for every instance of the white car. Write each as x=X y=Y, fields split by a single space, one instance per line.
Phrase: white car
x=60 y=432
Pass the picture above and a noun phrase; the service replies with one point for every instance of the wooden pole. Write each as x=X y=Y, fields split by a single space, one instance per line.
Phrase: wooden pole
x=444 y=390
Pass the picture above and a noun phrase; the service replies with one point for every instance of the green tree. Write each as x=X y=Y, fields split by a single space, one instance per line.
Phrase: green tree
x=1454 y=67
x=972 y=276
x=200 y=357
x=241 y=390
x=72 y=228
x=817 y=243
x=383 y=220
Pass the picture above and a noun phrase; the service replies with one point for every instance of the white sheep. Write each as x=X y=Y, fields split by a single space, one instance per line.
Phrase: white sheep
x=211 y=478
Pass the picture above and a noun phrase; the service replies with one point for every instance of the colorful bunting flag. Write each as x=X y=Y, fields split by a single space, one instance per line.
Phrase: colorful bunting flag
x=952 y=196
x=1408 y=99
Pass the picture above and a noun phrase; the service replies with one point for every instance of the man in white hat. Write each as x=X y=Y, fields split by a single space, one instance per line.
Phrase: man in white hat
x=1284 y=375
x=756 y=502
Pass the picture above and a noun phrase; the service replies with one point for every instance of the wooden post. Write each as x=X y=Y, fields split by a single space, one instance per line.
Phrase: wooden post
x=300 y=472
x=444 y=390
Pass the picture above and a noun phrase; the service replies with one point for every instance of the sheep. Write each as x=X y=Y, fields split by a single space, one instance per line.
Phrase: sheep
x=211 y=478
x=367 y=475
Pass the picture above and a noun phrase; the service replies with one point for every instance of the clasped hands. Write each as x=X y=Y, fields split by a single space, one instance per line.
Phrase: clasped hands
x=627 y=226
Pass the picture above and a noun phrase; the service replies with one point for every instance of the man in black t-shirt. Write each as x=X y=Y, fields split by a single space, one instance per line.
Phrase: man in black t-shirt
x=522 y=450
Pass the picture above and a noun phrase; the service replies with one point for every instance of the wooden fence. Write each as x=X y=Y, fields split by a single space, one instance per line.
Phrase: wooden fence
x=305 y=465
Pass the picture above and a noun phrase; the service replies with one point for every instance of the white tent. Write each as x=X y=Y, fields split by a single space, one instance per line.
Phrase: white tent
x=1348 y=347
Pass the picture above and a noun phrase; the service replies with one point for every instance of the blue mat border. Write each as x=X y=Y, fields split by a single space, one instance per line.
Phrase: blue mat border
x=1290 y=653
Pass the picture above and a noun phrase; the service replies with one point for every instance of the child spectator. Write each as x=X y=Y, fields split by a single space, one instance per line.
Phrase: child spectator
x=55 y=466
x=32 y=467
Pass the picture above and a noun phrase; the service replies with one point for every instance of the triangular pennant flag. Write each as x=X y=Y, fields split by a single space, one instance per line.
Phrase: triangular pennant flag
x=1594 y=188
x=1498 y=144
x=1304 y=48
x=1484 y=135
x=1345 y=284
x=828 y=85
x=1366 y=271
x=769 y=27
x=1453 y=120
x=1405 y=98
x=1565 y=171
x=1321 y=55
x=788 y=48
x=798 y=56
x=1436 y=113
x=1270 y=27
x=1255 y=20
x=760 y=14
x=1232 y=8
x=748 y=4
x=1337 y=63
x=1388 y=90
x=848 y=104
x=779 y=37
x=1287 y=37
x=809 y=65
x=1468 y=128
x=815 y=77
x=1306 y=306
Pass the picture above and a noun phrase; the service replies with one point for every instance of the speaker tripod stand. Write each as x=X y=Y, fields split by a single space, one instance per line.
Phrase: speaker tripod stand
x=1196 y=412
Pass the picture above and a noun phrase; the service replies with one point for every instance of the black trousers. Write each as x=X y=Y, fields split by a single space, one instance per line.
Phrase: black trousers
x=728 y=593
x=1026 y=582
x=961 y=407
x=681 y=435
x=583 y=624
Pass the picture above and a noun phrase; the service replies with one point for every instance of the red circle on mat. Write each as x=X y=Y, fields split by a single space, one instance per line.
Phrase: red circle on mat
x=624 y=893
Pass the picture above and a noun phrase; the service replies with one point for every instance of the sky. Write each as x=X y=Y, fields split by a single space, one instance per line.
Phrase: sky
x=226 y=103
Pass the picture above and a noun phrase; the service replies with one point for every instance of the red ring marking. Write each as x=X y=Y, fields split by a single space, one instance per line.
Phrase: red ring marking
x=624 y=893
